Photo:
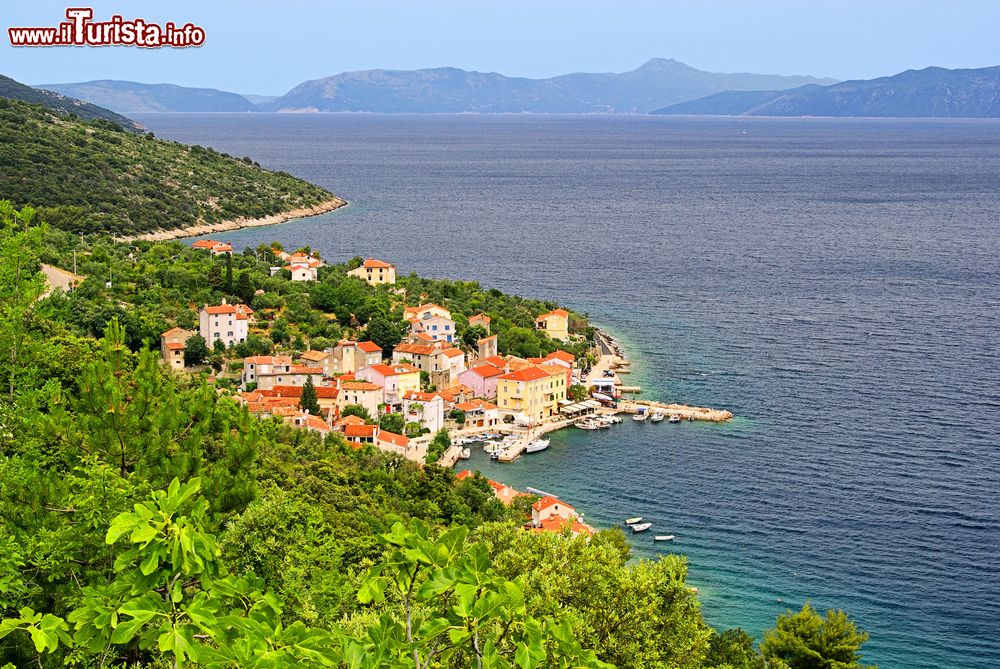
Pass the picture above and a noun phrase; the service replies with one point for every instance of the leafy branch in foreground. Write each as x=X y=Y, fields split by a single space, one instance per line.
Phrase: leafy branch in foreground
x=171 y=597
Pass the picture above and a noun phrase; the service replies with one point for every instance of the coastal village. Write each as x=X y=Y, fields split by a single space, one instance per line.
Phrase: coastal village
x=437 y=391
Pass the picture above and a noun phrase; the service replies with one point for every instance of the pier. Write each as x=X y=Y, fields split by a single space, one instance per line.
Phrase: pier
x=683 y=411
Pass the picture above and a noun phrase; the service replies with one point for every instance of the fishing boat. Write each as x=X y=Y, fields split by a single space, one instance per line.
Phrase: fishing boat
x=663 y=537
x=633 y=521
x=537 y=445
x=641 y=416
x=641 y=527
x=675 y=418
x=587 y=425
x=657 y=417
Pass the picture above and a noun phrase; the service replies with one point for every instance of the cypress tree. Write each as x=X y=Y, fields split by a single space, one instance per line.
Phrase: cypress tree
x=308 y=400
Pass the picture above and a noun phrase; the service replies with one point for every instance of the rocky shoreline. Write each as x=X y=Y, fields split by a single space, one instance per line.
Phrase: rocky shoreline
x=239 y=223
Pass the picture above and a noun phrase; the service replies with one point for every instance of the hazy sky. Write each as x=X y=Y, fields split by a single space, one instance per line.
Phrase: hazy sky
x=256 y=46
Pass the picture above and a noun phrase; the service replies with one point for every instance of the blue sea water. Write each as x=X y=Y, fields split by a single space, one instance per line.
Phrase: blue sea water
x=835 y=283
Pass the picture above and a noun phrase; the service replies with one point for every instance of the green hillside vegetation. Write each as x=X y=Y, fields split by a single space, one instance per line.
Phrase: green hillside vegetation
x=94 y=177
x=14 y=90
x=147 y=520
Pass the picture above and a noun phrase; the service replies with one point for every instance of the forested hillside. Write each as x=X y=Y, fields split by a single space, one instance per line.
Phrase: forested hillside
x=93 y=176
x=147 y=520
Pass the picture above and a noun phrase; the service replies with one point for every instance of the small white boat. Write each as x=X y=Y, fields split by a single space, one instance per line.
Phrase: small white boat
x=587 y=425
x=641 y=527
x=633 y=521
x=465 y=454
x=641 y=416
x=657 y=417
x=674 y=418
x=537 y=445
x=663 y=537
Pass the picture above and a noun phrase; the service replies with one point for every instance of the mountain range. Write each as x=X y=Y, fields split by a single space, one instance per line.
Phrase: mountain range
x=930 y=92
x=15 y=90
x=657 y=83
x=130 y=97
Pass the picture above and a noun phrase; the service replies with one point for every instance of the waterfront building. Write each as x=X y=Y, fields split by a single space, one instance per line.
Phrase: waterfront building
x=531 y=394
x=482 y=379
x=424 y=408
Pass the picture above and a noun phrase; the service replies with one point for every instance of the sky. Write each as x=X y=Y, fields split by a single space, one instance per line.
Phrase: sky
x=256 y=46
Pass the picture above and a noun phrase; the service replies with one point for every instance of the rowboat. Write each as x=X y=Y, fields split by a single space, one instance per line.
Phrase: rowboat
x=633 y=521
x=641 y=527
x=663 y=537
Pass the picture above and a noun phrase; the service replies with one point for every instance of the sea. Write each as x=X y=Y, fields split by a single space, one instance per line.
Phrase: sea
x=833 y=283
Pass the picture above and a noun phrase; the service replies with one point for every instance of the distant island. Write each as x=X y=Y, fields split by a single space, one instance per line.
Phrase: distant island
x=657 y=83
x=15 y=90
x=933 y=92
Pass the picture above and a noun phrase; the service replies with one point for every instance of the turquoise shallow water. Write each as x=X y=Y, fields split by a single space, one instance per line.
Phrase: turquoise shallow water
x=834 y=283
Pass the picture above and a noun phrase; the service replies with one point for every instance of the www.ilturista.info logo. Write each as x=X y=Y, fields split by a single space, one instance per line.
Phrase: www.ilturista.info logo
x=81 y=30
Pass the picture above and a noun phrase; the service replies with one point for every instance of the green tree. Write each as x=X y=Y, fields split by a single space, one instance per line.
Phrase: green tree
x=807 y=640
x=437 y=447
x=519 y=341
x=195 y=350
x=733 y=649
x=228 y=284
x=308 y=400
x=244 y=287
x=392 y=422
x=412 y=429
x=385 y=333
x=472 y=335
x=577 y=392
x=356 y=410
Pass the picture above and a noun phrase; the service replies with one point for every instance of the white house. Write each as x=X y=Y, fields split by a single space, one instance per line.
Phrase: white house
x=228 y=323
x=424 y=408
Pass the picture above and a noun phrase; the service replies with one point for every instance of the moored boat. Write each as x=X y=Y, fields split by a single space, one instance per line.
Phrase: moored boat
x=642 y=415
x=587 y=425
x=674 y=418
x=657 y=417
x=537 y=445
x=633 y=521
x=663 y=537
x=641 y=527
x=465 y=454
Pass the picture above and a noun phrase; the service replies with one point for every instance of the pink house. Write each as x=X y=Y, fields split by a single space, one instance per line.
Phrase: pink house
x=482 y=379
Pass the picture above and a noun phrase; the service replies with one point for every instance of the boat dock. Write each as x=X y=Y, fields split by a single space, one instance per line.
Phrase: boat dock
x=682 y=411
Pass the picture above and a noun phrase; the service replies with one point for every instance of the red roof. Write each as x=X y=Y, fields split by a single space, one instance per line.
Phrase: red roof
x=475 y=404
x=487 y=371
x=554 y=312
x=561 y=355
x=464 y=474
x=359 y=431
x=419 y=397
x=241 y=310
x=527 y=374
x=173 y=331
x=453 y=352
x=369 y=346
x=392 y=438
x=302 y=369
x=269 y=359
x=322 y=392
x=371 y=263
x=175 y=345
x=558 y=524
x=548 y=501
x=359 y=385
x=479 y=318
x=313 y=355
x=417 y=349
x=204 y=244
x=349 y=420
x=496 y=361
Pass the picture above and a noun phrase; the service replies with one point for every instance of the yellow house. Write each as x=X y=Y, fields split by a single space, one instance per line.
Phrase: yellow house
x=375 y=272
x=531 y=394
x=555 y=324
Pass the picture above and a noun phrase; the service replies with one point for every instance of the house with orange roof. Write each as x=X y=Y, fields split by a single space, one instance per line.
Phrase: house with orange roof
x=302 y=272
x=481 y=320
x=560 y=359
x=479 y=413
x=172 y=345
x=501 y=491
x=442 y=361
x=348 y=356
x=268 y=371
x=455 y=394
x=363 y=393
x=431 y=319
x=548 y=507
x=341 y=423
x=555 y=324
x=558 y=525
x=309 y=422
x=396 y=380
x=482 y=378
x=326 y=396
x=497 y=361
x=213 y=247
x=375 y=272
x=314 y=358
x=486 y=347
x=390 y=442
x=228 y=323
x=424 y=408
x=532 y=394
